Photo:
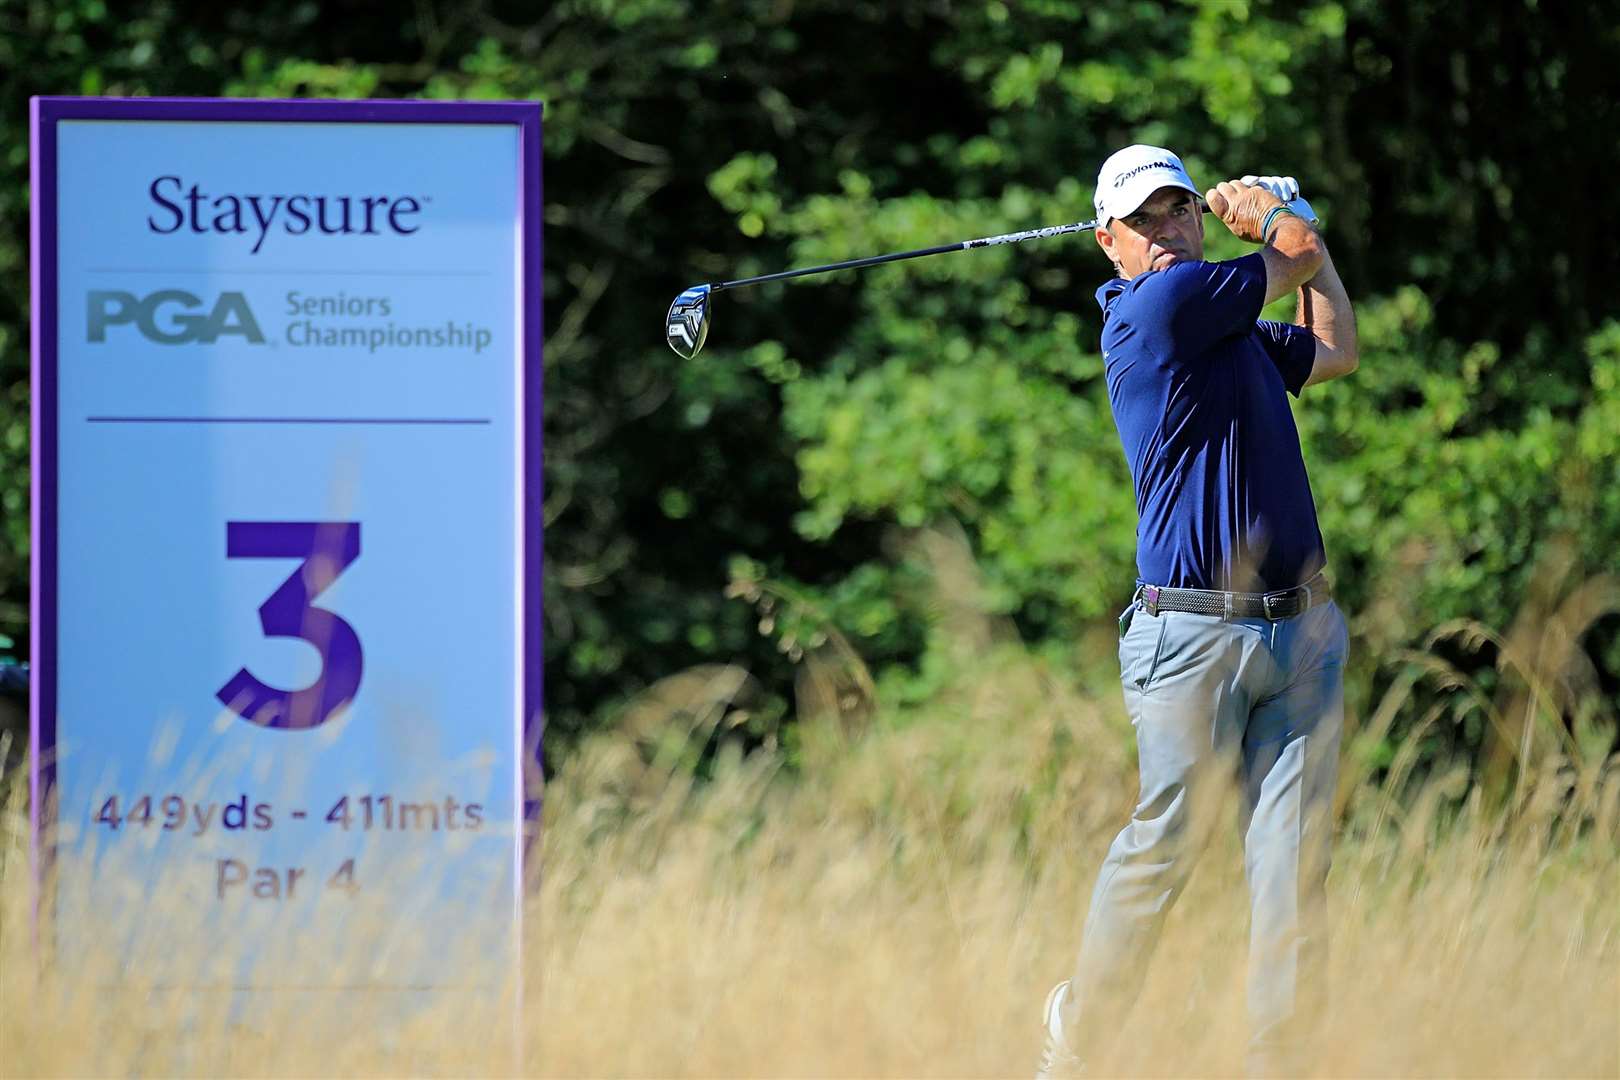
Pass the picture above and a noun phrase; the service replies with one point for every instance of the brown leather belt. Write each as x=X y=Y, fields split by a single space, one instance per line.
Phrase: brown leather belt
x=1282 y=604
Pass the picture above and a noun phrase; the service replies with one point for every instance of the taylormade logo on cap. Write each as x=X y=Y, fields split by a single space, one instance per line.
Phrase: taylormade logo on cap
x=1119 y=180
x=1130 y=175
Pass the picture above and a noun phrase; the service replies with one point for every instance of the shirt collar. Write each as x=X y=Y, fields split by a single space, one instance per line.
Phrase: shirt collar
x=1109 y=290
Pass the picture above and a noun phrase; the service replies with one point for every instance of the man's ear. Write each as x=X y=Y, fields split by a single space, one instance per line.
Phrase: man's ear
x=1105 y=240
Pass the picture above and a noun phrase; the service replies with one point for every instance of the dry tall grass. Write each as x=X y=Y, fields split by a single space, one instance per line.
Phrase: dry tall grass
x=899 y=905
x=901 y=908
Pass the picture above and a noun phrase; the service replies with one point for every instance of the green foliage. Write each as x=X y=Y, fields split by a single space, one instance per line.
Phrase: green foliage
x=1022 y=461
x=831 y=423
x=1437 y=507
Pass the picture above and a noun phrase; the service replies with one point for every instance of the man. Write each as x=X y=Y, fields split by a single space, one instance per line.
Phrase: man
x=1232 y=650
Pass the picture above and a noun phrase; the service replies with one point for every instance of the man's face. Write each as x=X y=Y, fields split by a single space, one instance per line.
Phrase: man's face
x=1167 y=228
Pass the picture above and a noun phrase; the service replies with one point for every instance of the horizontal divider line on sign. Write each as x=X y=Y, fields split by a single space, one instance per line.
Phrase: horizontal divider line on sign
x=230 y=272
x=442 y=420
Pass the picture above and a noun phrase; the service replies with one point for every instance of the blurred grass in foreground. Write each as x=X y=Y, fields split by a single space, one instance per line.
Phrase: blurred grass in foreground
x=899 y=903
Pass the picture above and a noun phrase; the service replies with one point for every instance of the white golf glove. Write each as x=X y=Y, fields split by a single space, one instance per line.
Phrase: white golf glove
x=1286 y=188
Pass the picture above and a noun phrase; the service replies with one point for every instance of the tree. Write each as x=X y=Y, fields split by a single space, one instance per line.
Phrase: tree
x=827 y=420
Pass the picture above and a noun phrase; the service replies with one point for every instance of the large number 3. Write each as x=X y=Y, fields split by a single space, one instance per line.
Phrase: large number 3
x=326 y=548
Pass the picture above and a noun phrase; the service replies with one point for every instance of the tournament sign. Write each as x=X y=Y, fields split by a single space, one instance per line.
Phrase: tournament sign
x=286 y=608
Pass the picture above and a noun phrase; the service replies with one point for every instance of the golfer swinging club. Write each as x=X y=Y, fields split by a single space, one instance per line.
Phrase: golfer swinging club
x=1232 y=651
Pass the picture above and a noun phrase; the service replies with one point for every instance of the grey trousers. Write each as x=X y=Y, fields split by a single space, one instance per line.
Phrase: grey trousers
x=1214 y=701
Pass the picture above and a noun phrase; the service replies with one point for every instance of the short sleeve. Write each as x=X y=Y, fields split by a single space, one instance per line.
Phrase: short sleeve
x=1187 y=308
x=1292 y=348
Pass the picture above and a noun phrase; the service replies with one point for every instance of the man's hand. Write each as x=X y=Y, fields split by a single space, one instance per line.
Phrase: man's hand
x=1286 y=188
x=1323 y=309
x=1295 y=253
x=1242 y=208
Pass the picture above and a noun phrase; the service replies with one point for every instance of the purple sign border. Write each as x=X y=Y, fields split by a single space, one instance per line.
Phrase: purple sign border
x=45 y=113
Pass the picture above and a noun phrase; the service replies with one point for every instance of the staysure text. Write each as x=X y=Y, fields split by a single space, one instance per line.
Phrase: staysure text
x=195 y=210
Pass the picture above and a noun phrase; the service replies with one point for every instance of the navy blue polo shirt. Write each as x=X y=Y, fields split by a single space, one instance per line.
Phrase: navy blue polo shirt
x=1197 y=381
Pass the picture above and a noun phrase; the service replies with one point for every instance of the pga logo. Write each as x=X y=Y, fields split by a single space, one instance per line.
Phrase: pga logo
x=172 y=316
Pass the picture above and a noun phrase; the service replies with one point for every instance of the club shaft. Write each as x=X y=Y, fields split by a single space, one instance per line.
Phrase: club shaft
x=852 y=264
x=856 y=264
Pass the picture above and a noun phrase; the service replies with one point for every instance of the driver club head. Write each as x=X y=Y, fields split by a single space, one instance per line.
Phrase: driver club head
x=687 y=325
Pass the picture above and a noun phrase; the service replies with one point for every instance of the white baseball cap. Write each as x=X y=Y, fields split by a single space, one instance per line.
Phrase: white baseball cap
x=1130 y=175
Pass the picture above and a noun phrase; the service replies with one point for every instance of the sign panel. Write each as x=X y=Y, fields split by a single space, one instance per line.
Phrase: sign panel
x=287 y=536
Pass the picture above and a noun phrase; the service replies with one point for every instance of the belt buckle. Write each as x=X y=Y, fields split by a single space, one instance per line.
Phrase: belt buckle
x=1150 y=599
x=1267 y=600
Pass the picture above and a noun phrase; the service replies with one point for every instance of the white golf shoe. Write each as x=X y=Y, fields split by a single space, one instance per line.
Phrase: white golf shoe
x=1057 y=1059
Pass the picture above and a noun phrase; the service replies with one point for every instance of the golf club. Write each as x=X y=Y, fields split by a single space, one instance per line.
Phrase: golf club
x=687 y=325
